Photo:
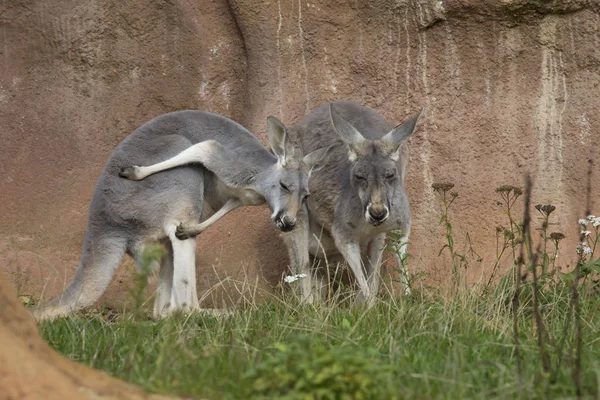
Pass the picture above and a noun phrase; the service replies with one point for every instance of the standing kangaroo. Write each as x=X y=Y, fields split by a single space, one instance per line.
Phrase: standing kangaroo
x=232 y=169
x=357 y=195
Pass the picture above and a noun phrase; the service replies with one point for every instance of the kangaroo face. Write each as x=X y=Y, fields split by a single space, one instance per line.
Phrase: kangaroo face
x=285 y=184
x=287 y=191
x=377 y=180
x=375 y=174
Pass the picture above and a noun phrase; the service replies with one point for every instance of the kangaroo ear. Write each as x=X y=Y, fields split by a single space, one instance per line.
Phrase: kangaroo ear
x=317 y=158
x=397 y=135
x=277 y=138
x=349 y=134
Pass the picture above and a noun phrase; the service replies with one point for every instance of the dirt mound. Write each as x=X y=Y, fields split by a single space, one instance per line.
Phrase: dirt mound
x=507 y=87
x=25 y=355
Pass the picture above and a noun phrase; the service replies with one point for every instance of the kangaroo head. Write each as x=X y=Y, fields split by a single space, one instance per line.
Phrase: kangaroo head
x=375 y=173
x=285 y=183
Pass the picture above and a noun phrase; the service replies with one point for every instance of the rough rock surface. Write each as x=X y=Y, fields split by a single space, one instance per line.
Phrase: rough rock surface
x=508 y=86
x=24 y=354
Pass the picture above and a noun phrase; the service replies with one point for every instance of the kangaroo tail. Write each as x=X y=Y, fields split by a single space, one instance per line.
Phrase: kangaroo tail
x=100 y=258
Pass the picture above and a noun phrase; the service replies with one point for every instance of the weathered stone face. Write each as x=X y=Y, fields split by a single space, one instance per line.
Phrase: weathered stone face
x=507 y=87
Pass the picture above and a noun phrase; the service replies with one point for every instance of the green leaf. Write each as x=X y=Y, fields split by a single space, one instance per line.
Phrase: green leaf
x=346 y=324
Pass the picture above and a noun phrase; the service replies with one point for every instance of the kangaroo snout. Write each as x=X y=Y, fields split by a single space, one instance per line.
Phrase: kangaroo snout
x=284 y=222
x=377 y=214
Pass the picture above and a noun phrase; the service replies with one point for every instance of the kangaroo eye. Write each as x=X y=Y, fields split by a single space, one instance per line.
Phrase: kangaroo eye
x=390 y=175
x=285 y=187
x=360 y=178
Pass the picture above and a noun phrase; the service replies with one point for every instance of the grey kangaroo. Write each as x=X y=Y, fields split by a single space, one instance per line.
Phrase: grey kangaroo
x=357 y=196
x=357 y=192
x=230 y=169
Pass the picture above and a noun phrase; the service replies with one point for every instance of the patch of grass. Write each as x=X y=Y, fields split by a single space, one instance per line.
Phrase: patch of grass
x=418 y=346
x=530 y=333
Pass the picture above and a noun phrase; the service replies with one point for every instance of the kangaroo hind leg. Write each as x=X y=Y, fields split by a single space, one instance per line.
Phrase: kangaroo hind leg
x=197 y=153
x=183 y=292
x=162 y=301
x=149 y=264
x=100 y=258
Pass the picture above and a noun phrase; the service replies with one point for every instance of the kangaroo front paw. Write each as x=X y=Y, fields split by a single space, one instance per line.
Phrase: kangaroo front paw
x=131 y=173
x=183 y=233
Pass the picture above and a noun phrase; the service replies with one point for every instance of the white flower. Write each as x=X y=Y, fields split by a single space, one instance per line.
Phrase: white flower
x=583 y=248
x=293 y=278
x=591 y=218
x=586 y=233
x=583 y=222
x=596 y=222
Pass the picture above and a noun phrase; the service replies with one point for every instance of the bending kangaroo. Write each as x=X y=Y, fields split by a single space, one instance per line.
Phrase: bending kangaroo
x=232 y=169
x=357 y=195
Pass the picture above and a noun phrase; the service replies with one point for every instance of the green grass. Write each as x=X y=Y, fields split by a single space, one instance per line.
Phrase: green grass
x=421 y=346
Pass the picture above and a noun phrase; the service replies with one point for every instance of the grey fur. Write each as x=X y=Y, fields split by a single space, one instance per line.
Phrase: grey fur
x=233 y=169
x=357 y=197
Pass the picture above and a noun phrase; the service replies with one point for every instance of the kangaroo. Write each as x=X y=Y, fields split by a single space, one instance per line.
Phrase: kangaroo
x=229 y=168
x=357 y=195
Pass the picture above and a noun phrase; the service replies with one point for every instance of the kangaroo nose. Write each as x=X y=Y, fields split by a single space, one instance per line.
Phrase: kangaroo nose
x=378 y=214
x=288 y=226
x=284 y=222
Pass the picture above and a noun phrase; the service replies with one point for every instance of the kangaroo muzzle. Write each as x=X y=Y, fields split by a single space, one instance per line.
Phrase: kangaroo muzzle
x=376 y=214
x=284 y=222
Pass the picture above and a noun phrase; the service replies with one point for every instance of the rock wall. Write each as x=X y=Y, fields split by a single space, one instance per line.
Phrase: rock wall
x=507 y=87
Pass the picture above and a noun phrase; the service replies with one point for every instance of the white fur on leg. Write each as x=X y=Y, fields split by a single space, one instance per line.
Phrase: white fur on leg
x=351 y=252
x=297 y=243
x=196 y=153
x=183 y=294
x=162 y=301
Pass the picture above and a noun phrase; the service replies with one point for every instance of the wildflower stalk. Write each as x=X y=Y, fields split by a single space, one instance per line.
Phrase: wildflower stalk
x=556 y=237
x=596 y=236
x=443 y=189
x=509 y=195
x=533 y=260
x=515 y=311
x=575 y=294
x=500 y=232
x=545 y=211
